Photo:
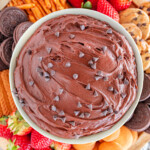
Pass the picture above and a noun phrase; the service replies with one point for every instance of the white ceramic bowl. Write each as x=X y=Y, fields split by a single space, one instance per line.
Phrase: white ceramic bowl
x=117 y=27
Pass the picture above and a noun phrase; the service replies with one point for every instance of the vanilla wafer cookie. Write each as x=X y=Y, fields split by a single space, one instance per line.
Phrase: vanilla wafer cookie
x=138 y=17
x=134 y=31
x=143 y=46
x=146 y=61
x=4 y=102
x=146 y=7
x=5 y=79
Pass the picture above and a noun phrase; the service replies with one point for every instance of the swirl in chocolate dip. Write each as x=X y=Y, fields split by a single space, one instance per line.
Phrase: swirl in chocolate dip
x=76 y=76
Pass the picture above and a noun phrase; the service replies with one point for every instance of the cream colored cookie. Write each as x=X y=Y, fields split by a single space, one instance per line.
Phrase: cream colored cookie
x=148 y=70
x=146 y=7
x=138 y=17
x=146 y=61
x=134 y=31
x=143 y=46
x=139 y=2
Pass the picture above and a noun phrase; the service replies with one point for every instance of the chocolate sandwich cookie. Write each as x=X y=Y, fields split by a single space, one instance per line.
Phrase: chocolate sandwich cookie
x=148 y=130
x=2 y=65
x=9 y=18
x=6 y=50
x=141 y=118
x=146 y=88
x=2 y=37
x=20 y=29
x=13 y=46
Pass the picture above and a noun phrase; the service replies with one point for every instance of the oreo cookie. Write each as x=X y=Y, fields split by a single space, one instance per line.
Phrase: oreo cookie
x=2 y=37
x=148 y=130
x=2 y=65
x=148 y=102
x=146 y=88
x=9 y=18
x=141 y=118
x=20 y=29
x=6 y=50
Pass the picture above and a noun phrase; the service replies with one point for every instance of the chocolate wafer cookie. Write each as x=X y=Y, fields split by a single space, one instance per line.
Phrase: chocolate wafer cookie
x=20 y=29
x=146 y=88
x=2 y=65
x=6 y=50
x=2 y=37
x=141 y=118
x=9 y=18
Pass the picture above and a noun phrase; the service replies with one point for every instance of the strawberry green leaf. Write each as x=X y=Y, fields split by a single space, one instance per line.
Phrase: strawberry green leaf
x=12 y=146
x=87 y=5
x=3 y=120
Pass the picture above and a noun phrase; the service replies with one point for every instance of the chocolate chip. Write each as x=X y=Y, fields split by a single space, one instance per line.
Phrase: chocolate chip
x=132 y=34
x=148 y=9
x=53 y=108
x=109 y=31
x=81 y=115
x=93 y=66
x=56 y=98
x=72 y=123
x=146 y=58
x=104 y=113
x=72 y=36
x=98 y=77
x=119 y=57
x=95 y=59
x=41 y=74
x=116 y=112
x=82 y=27
x=110 y=110
x=90 y=106
x=88 y=87
x=55 y=117
x=49 y=50
x=57 y=34
x=61 y=91
x=90 y=62
x=39 y=69
x=95 y=93
x=75 y=76
x=126 y=82
x=21 y=101
x=138 y=24
x=123 y=95
x=61 y=113
x=134 y=19
x=76 y=113
x=105 y=78
x=68 y=64
x=52 y=72
x=120 y=76
x=46 y=74
x=79 y=105
x=115 y=91
x=40 y=59
x=81 y=54
x=50 y=65
x=31 y=83
x=141 y=7
x=143 y=24
x=87 y=115
x=110 y=88
x=63 y=119
x=29 y=52
x=99 y=73
x=139 y=12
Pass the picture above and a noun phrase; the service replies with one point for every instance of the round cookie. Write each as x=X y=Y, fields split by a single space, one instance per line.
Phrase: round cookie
x=20 y=29
x=9 y=18
x=146 y=61
x=138 y=17
x=146 y=7
x=147 y=101
x=2 y=65
x=146 y=88
x=135 y=31
x=141 y=118
x=148 y=130
x=2 y=37
x=142 y=46
x=6 y=50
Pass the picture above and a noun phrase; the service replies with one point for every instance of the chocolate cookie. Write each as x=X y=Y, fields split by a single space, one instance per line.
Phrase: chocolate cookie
x=9 y=18
x=6 y=50
x=146 y=88
x=2 y=37
x=2 y=65
x=20 y=29
x=148 y=130
x=13 y=46
x=148 y=101
x=141 y=118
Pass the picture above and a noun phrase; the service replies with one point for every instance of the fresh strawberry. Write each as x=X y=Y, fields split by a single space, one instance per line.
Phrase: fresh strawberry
x=38 y=141
x=106 y=8
x=60 y=146
x=48 y=148
x=20 y=143
x=18 y=125
x=76 y=3
x=4 y=131
x=120 y=4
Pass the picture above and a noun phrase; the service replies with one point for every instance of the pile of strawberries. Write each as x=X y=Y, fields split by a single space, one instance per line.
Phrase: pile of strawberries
x=22 y=137
x=107 y=7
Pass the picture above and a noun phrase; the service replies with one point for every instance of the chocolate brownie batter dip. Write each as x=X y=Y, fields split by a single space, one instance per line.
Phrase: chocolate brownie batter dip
x=76 y=76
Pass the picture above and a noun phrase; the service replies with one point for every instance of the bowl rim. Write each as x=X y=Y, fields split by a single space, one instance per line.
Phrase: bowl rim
x=115 y=25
